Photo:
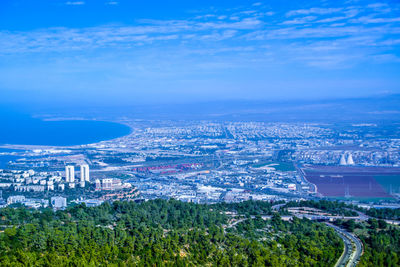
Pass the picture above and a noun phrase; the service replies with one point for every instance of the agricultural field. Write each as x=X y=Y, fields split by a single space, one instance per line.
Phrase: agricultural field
x=277 y=165
x=358 y=182
x=391 y=183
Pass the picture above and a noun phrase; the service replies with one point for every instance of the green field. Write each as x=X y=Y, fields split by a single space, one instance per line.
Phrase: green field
x=387 y=181
x=281 y=166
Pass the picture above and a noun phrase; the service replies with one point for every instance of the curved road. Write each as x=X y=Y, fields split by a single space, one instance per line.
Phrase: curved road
x=352 y=248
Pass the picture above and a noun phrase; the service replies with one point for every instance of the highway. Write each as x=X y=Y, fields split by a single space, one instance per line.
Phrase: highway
x=352 y=248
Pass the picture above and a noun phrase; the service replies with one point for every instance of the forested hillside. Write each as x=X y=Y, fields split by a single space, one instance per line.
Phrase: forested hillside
x=162 y=233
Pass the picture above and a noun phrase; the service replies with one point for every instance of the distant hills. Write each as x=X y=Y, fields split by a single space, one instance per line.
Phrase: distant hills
x=382 y=108
x=372 y=109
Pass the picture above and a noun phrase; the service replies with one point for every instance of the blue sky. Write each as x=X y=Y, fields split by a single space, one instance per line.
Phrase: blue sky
x=126 y=52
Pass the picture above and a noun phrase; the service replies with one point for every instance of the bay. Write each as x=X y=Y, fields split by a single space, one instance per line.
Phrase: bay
x=17 y=129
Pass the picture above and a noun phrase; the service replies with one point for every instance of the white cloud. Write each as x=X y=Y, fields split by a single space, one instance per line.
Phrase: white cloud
x=75 y=3
x=148 y=31
x=370 y=19
x=299 y=38
x=331 y=19
x=247 y=23
x=390 y=42
x=301 y=20
x=112 y=3
x=383 y=58
x=319 y=11
x=377 y=5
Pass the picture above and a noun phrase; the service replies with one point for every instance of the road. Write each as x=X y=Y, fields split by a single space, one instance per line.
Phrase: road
x=277 y=207
x=236 y=222
x=364 y=217
x=232 y=224
x=304 y=180
x=352 y=248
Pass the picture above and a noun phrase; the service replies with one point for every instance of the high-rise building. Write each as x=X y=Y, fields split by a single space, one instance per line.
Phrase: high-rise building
x=85 y=173
x=69 y=174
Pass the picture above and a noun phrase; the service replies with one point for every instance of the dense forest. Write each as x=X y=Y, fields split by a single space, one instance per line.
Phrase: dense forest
x=163 y=233
x=381 y=248
x=174 y=233
x=391 y=214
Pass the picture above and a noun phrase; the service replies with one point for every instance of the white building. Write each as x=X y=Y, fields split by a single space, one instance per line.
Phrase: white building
x=110 y=184
x=69 y=174
x=85 y=173
x=98 y=184
x=350 y=160
x=29 y=188
x=343 y=160
x=91 y=202
x=58 y=202
x=50 y=185
x=15 y=199
x=107 y=184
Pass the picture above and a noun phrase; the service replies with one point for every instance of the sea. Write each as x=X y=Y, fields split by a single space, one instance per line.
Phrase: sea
x=5 y=157
x=17 y=129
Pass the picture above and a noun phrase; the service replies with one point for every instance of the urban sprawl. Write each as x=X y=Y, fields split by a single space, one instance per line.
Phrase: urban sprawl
x=210 y=162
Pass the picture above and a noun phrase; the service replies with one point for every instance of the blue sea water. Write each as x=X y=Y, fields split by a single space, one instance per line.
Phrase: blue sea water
x=24 y=130
x=5 y=158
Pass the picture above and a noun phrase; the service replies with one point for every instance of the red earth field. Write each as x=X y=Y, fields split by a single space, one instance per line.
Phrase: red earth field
x=339 y=181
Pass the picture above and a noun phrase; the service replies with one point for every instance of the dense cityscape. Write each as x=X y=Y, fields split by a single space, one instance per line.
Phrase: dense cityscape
x=219 y=162
x=205 y=162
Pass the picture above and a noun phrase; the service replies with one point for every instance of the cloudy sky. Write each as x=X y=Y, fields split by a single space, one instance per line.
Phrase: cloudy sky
x=126 y=52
